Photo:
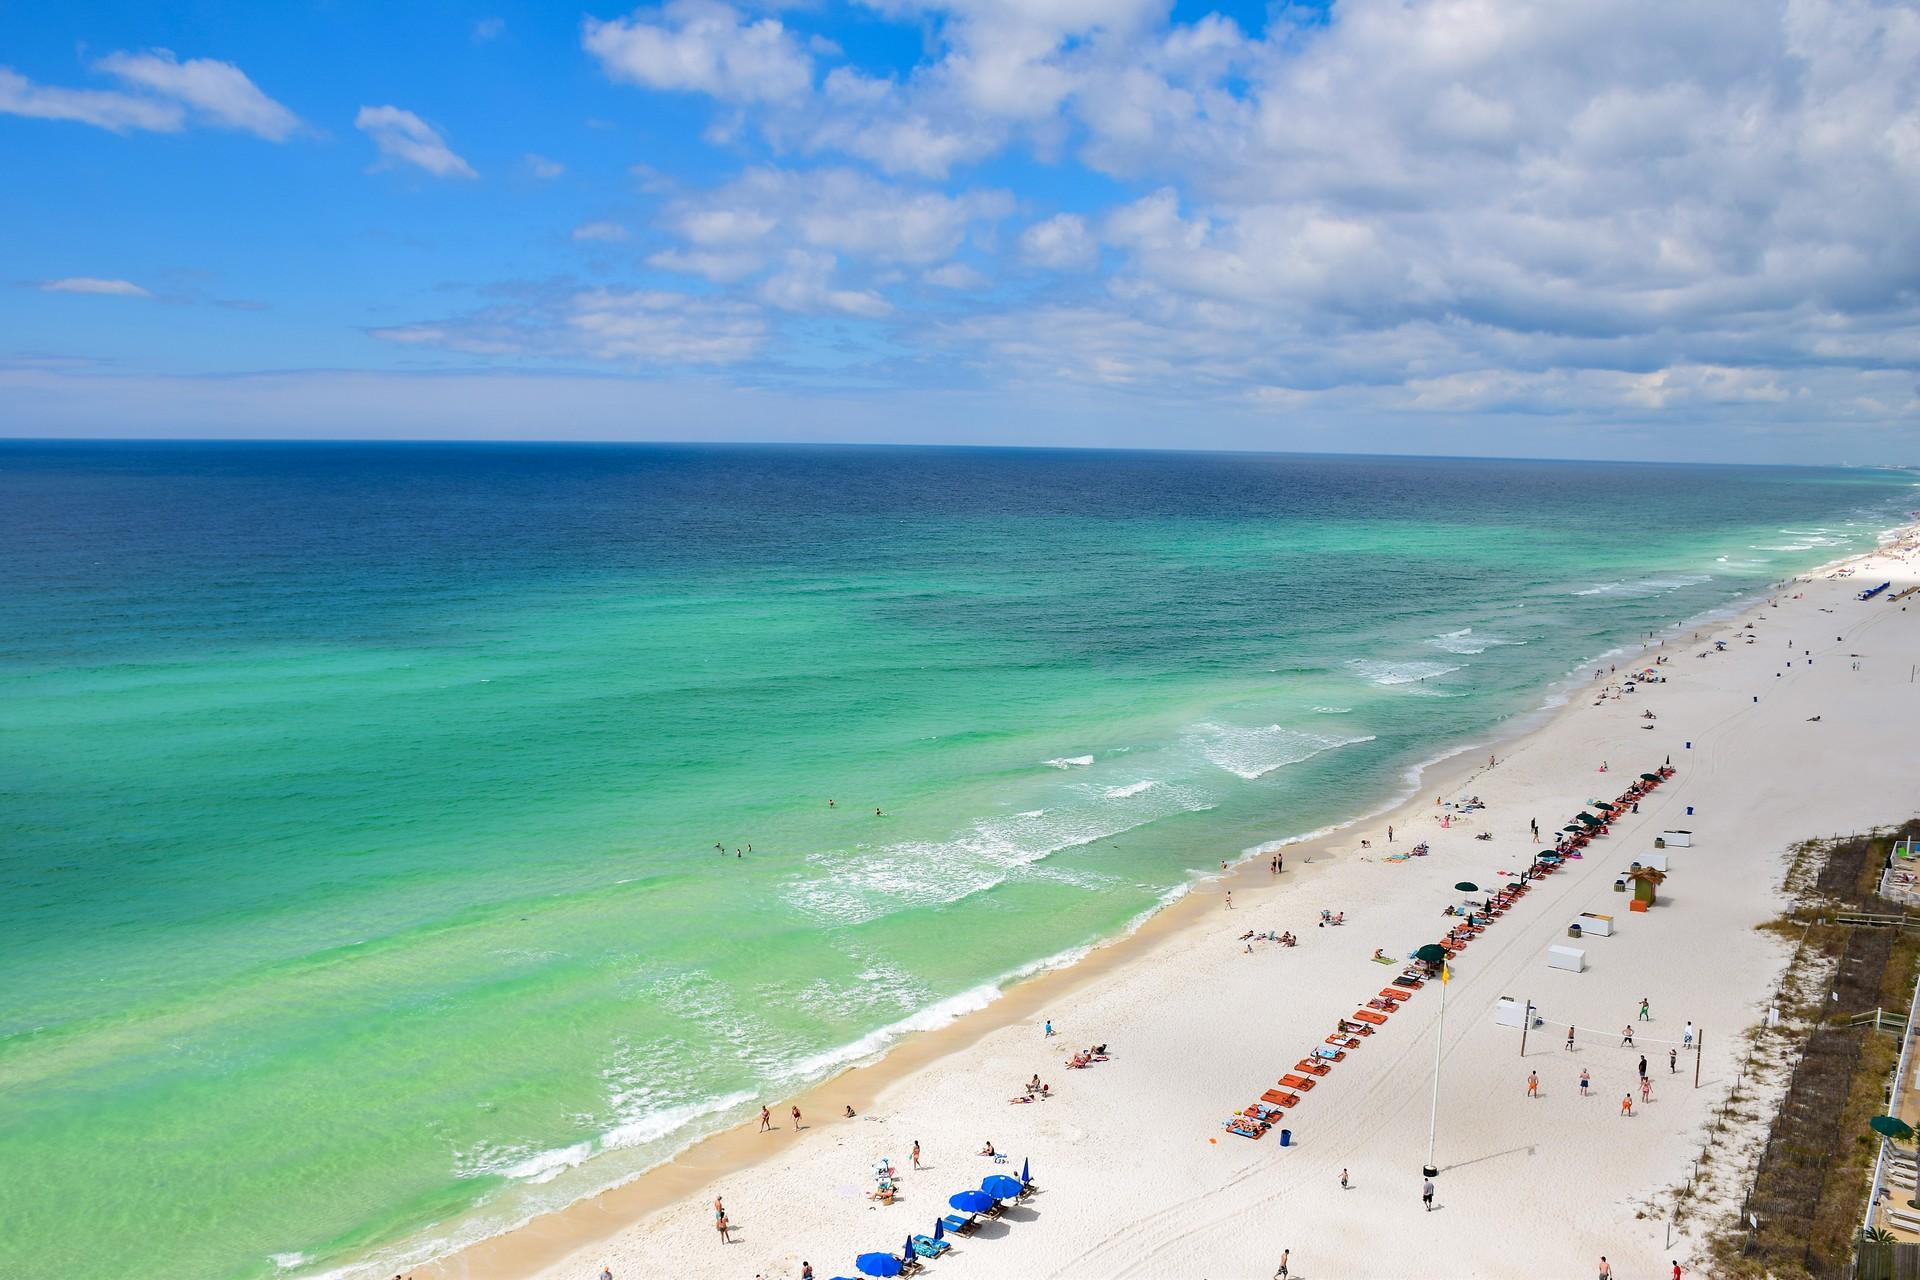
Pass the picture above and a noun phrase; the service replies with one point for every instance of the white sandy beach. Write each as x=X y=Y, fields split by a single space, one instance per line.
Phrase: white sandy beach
x=1137 y=1176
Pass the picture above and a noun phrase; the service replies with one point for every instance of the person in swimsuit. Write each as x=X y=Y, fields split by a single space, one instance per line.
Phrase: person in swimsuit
x=1426 y=1194
x=1533 y=1084
x=766 y=1119
x=1584 y=1081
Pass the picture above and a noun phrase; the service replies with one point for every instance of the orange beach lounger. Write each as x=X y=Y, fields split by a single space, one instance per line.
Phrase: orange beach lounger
x=1364 y=1015
x=1301 y=1083
x=1279 y=1099
x=1312 y=1067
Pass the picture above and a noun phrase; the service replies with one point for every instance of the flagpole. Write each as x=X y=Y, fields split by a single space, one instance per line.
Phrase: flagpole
x=1433 y=1116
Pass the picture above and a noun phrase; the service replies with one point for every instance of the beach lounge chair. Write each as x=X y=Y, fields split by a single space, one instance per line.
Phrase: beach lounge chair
x=928 y=1247
x=910 y=1265
x=1280 y=1099
x=1363 y=1015
x=1331 y=1055
x=1394 y=993
x=1312 y=1067
x=1343 y=1042
x=960 y=1226
x=1302 y=1083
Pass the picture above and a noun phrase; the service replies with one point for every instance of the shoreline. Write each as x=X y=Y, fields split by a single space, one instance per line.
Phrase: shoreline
x=547 y=1238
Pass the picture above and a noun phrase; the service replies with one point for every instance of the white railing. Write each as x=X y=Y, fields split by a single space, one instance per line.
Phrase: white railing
x=1893 y=1102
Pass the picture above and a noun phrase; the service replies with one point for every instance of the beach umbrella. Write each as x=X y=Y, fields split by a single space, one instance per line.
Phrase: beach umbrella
x=1602 y=804
x=1649 y=777
x=877 y=1264
x=1467 y=886
x=1000 y=1186
x=1892 y=1127
x=1432 y=953
x=939 y=1228
x=971 y=1201
x=906 y=1250
x=1025 y=1177
x=1515 y=884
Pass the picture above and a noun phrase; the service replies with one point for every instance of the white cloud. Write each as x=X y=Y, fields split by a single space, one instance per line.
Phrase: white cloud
x=702 y=46
x=217 y=92
x=805 y=283
x=488 y=29
x=166 y=94
x=957 y=275
x=635 y=327
x=542 y=168
x=95 y=285
x=103 y=108
x=404 y=138
x=604 y=232
x=1062 y=243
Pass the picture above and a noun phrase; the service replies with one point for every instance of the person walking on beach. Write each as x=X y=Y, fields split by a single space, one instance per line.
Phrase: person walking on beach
x=1569 y=1039
x=724 y=1227
x=1686 y=1037
x=806 y=1270
x=1281 y=1274
x=1585 y=1080
x=1535 y=824
x=1646 y=1090
x=916 y=1153
x=606 y=1273
x=1626 y=1105
x=1343 y=1179
x=1426 y=1194
x=1389 y=833
x=1646 y=1010
x=1229 y=899
x=1533 y=1084
x=1606 y=1268
x=1643 y=1066
x=1049 y=1026
x=1673 y=1061
x=796 y=1119
x=1626 y=1037
x=766 y=1119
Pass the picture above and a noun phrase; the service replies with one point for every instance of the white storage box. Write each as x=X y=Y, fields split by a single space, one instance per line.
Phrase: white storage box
x=1572 y=958
x=1678 y=839
x=1509 y=1012
x=1598 y=925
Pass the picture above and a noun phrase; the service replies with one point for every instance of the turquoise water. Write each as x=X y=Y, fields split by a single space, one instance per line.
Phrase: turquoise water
x=358 y=804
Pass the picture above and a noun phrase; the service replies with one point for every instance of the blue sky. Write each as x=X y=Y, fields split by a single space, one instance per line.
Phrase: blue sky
x=1465 y=226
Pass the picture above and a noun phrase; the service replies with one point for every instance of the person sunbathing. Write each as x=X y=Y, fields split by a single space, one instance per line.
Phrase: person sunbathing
x=1288 y=940
x=1378 y=954
x=988 y=1150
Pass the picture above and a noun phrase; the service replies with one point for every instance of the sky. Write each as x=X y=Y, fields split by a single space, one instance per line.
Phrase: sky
x=1626 y=228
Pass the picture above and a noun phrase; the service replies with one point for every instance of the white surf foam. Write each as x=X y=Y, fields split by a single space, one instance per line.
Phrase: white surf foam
x=1467 y=641
x=1131 y=789
x=1256 y=752
x=1071 y=762
x=1390 y=674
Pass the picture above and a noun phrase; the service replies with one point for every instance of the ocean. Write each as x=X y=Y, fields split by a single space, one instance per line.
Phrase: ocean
x=375 y=819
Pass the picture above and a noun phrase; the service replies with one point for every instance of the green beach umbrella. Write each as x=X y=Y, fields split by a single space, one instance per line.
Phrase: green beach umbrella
x=1432 y=953
x=1602 y=804
x=1467 y=886
x=1649 y=777
x=1891 y=1127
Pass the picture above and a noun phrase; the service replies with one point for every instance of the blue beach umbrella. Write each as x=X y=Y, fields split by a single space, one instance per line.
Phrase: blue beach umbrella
x=1025 y=1177
x=971 y=1201
x=1000 y=1186
x=877 y=1264
x=906 y=1250
x=939 y=1228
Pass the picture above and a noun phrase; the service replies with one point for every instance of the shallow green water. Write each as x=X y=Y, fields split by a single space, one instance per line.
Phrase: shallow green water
x=358 y=805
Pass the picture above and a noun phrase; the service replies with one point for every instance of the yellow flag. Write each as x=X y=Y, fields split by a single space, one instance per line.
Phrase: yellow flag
x=1446 y=974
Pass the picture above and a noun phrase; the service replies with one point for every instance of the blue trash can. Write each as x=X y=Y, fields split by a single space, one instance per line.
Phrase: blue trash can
x=1286 y=1137
x=1689 y=811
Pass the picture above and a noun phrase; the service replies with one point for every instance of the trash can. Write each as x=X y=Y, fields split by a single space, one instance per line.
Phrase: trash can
x=1286 y=1137
x=1689 y=811
x=1659 y=842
